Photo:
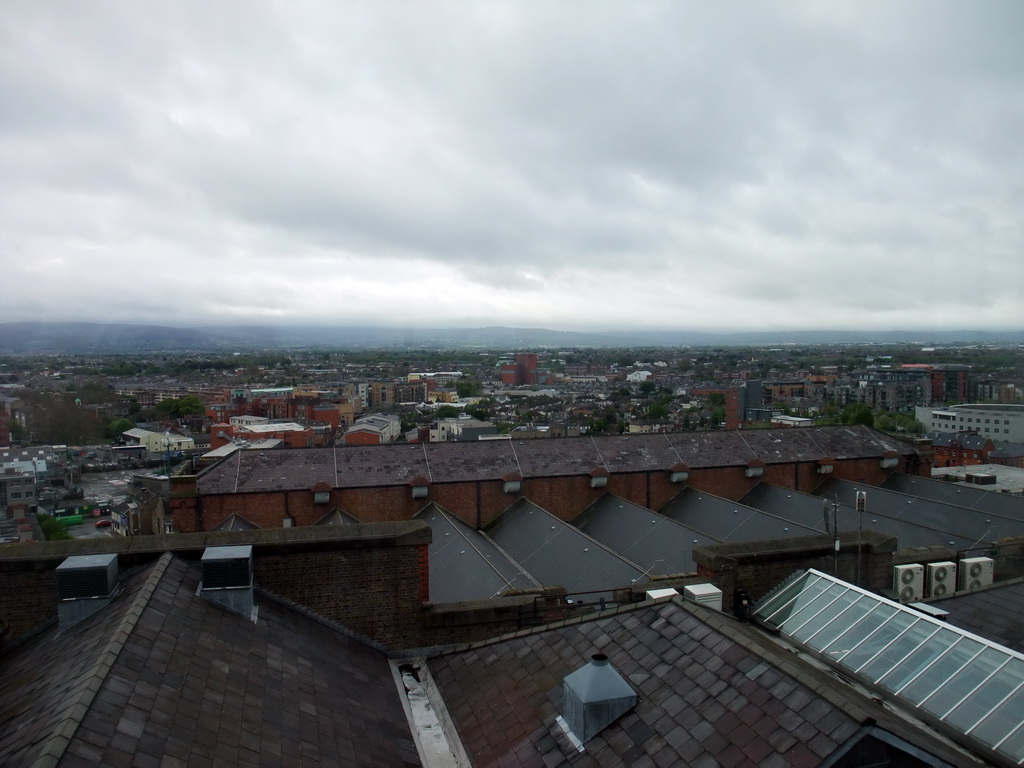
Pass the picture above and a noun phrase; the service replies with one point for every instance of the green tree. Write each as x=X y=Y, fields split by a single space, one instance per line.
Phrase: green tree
x=117 y=426
x=52 y=529
x=657 y=410
x=857 y=413
x=468 y=388
x=190 y=405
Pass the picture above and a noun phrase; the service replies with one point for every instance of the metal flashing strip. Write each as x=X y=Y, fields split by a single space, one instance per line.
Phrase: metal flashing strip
x=516 y=457
x=426 y=460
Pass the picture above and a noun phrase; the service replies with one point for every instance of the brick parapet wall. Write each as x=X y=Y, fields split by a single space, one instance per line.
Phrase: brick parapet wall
x=479 y=502
x=759 y=567
x=372 y=579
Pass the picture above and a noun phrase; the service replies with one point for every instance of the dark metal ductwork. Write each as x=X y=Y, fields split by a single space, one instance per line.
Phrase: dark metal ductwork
x=85 y=585
x=227 y=579
x=595 y=696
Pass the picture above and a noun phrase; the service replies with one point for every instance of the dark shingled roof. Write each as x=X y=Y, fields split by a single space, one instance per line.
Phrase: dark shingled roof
x=969 y=524
x=731 y=522
x=465 y=564
x=397 y=464
x=654 y=542
x=164 y=677
x=711 y=693
x=807 y=510
x=558 y=554
x=959 y=494
x=996 y=613
x=234 y=522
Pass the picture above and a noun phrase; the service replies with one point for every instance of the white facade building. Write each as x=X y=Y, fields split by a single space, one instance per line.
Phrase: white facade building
x=997 y=422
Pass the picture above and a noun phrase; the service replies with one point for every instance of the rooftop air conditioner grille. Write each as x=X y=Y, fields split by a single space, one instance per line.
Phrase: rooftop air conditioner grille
x=88 y=582
x=87 y=576
x=227 y=573
x=227 y=567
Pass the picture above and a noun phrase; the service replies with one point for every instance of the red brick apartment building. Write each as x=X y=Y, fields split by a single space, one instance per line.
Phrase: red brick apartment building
x=964 y=449
x=522 y=371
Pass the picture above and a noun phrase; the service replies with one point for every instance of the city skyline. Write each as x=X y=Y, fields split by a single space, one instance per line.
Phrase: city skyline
x=597 y=167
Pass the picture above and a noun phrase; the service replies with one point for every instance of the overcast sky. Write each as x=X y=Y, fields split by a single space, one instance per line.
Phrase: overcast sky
x=568 y=165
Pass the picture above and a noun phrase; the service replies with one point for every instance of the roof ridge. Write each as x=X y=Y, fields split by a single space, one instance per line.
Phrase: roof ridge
x=320 y=619
x=54 y=747
x=583 y=618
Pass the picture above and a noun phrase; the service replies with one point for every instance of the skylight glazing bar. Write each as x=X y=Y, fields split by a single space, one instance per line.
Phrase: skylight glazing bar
x=789 y=601
x=909 y=652
x=995 y=709
x=955 y=677
x=1010 y=735
x=870 y=635
x=975 y=688
x=929 y=665
x=887 y=646
x=794 y=630
x=830 y=622
x=944 y=682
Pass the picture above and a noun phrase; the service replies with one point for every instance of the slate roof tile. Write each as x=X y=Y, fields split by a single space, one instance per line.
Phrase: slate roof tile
x=219 y=689
x=673 y=723
x=398 y=463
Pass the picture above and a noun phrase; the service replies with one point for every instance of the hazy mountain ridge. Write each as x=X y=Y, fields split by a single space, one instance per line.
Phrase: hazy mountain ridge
x=80 y=338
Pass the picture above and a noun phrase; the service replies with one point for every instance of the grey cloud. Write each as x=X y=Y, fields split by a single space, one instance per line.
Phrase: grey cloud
x=765 y=155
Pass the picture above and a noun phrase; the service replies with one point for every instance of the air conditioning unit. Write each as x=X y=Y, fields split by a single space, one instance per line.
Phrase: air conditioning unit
x=707 y=595
x=975 y=573
x=908 y=582
x=940 y=578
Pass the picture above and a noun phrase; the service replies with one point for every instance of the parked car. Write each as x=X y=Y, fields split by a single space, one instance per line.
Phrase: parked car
x=103 y=523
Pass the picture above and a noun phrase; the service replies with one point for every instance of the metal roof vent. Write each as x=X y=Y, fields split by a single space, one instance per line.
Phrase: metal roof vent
x=227 y=579
x=595 y=696
x=85 y=585
x=680 y=473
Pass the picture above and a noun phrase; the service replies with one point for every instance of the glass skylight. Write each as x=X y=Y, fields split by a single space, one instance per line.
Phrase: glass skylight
x=974 y=685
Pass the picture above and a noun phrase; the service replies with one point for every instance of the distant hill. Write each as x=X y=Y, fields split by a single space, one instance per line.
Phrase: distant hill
x=82 y=338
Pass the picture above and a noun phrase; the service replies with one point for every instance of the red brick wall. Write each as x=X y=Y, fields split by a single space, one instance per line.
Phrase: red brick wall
x=377 y=592
x=29 y=594
x=759 y=567
x=362 y=438
x=478 y=503
x=867 y=471
x=373 y=580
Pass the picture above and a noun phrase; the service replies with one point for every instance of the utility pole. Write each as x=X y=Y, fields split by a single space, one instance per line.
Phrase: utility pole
x=830 y=511
x=862 y=505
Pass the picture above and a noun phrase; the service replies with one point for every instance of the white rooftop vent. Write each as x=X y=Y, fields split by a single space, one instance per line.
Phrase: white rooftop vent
x=707 y=595
x=227 y=579
x=657 y=594
x=595 y=696
x=85 y=585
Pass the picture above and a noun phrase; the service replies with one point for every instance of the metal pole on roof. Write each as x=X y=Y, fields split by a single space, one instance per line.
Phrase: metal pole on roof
x=862 y=505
